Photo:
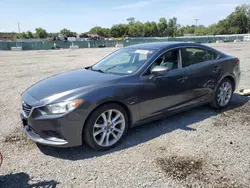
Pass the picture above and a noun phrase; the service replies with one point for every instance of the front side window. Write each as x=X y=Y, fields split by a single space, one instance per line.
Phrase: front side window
x=169 y=59
x=124 y=61
x=191 y=56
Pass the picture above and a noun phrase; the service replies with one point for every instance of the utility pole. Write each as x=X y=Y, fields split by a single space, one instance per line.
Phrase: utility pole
x=18 y=24
x=196 y=21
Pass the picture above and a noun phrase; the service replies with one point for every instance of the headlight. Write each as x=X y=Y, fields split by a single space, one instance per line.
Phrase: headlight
x=63 y=107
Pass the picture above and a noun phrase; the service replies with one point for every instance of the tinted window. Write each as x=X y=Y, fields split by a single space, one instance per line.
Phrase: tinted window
x=169 y=59
x=192 y=56
x=211 y=55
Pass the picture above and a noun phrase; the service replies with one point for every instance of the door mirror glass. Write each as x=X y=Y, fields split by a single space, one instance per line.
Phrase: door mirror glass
x=159 y=70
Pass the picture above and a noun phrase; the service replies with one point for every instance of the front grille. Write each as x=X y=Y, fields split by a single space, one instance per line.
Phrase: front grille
x=26 y=109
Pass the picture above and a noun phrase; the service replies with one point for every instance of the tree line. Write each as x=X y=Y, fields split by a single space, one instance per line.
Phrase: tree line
x=42 y=33
x=238 y=22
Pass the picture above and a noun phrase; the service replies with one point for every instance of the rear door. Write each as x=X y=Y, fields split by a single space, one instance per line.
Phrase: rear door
x=203 y=72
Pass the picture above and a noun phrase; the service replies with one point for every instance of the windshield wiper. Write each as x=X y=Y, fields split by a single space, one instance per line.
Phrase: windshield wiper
x=98 y=70
x=110 y=68
x=103 y=71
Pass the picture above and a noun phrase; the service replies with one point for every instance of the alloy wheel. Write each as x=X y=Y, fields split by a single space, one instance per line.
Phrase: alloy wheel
x=109 y=128
x=224 y=94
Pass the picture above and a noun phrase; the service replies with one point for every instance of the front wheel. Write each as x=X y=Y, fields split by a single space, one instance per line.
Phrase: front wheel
x=223 y=94
x=106 y=126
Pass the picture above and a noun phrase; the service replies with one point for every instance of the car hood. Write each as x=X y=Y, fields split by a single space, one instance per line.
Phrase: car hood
x=69 y=82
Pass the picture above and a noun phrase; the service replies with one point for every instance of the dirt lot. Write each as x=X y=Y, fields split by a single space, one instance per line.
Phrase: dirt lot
x=198 y=148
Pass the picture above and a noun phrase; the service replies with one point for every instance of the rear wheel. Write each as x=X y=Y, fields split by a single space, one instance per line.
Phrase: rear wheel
x=223 y=94
x=106 y=126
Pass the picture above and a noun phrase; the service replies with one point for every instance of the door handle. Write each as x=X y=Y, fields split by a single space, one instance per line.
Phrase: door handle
x=182 y=79
x=216 y=69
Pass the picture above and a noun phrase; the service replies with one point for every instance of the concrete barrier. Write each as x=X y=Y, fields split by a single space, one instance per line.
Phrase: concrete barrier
x=119 y=45
x=74 y=47
x=237 y=40
x=20 y=48
x=219 y=41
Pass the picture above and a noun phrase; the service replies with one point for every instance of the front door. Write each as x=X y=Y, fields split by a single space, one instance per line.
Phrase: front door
x=165 y=93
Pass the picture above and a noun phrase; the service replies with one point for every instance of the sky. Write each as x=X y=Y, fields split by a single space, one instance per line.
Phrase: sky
x=81 y=15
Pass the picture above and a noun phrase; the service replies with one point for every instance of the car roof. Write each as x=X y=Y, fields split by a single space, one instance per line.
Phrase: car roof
x=163 y=45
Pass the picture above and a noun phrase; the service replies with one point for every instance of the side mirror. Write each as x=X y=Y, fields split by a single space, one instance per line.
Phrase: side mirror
x=159 y=70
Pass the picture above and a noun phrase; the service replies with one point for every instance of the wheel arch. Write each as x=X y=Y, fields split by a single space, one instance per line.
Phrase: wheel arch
x=231 y=78
x=124 y=106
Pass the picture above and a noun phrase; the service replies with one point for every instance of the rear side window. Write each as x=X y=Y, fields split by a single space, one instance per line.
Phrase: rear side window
x=191 y=56
x=211 y=55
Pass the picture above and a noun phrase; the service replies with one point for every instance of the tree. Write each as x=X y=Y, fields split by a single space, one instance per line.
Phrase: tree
x=104 y=32
x=52 y=34
x=27 y=35
x=83 y=35
x=172 y=27
x=189 y=29
x=136 y=30
x=162 y=27
x=119 y=30
x=67 y=33
x=22 y=35
x=30 y=35
x=246 y=9
x=212 y=29
x=41 y=33
x=223 y=27
x=179 y=31
x=148 y=30
x=155 y=31
x=131 y=20
x=238 y=21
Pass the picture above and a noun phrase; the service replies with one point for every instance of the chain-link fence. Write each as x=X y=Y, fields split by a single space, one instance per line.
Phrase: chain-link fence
x=46 y=45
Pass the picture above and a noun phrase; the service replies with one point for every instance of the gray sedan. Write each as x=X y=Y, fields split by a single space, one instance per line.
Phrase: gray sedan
x=132 y=86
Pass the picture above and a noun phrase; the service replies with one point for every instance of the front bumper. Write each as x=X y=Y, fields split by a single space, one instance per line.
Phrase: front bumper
x=54 y=130
x=36 y=138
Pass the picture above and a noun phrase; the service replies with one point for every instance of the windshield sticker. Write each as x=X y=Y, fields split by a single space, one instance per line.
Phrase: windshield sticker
x=143 y=51
x=129 y=71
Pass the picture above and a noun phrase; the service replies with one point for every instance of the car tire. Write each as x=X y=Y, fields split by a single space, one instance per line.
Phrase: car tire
x=224 y=92
x=97 y=130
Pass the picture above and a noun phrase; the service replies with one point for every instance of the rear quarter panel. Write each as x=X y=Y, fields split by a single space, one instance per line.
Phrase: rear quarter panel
x=230 y=67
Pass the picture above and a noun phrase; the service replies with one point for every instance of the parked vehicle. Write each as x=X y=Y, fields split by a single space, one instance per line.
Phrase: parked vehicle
x=132 y=86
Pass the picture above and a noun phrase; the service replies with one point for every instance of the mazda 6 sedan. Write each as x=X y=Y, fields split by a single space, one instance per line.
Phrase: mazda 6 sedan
x=132 y=86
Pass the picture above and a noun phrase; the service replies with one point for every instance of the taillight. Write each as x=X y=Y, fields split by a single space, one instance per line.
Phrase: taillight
x=237 y=61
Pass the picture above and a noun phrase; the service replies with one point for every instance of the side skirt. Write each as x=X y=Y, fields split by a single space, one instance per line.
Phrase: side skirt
x=162 y=116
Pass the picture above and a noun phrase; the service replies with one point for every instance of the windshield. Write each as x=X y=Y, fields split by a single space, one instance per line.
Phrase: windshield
x=124 y=61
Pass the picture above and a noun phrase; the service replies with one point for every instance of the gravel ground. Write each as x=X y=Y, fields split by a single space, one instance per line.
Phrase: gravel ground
x=198 y=148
